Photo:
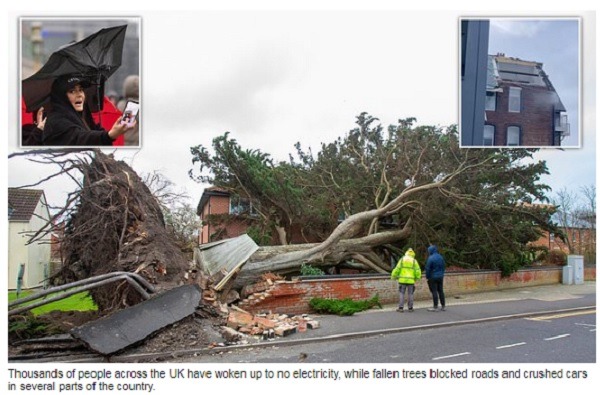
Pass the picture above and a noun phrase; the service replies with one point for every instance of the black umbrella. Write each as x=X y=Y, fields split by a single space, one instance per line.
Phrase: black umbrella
x=95 y=58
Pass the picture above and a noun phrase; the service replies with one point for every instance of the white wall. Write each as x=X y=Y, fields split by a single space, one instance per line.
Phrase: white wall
x=34 y=256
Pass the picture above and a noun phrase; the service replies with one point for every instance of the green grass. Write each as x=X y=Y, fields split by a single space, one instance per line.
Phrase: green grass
x=78 y=302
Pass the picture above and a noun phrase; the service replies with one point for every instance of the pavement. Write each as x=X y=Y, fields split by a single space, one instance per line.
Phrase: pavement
x=526 y=302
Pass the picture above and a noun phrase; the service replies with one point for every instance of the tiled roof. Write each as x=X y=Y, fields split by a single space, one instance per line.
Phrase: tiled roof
x=22 y=203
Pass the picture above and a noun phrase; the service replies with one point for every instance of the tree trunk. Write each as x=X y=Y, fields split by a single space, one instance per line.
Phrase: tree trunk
x=281 y=235
x=344 y=242
x=288 y=259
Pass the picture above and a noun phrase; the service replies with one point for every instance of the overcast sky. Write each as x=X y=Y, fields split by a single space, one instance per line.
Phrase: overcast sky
x=273 y=78
x=555 y=43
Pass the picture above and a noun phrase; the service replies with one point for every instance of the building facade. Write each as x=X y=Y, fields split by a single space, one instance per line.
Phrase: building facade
x=522 y=108
x=224 y=215
x=221 y=215
x=27 y=213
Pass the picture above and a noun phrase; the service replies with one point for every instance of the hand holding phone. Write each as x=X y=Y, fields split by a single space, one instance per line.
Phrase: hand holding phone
x=130 y=113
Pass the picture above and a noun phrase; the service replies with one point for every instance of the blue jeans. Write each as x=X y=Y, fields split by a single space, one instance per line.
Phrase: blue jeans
x=411 y=295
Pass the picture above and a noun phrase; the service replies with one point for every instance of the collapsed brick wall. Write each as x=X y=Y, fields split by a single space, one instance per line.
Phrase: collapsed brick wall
x=292 y=297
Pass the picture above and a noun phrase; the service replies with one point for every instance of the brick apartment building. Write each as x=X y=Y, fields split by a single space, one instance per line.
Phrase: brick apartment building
x=522 y=108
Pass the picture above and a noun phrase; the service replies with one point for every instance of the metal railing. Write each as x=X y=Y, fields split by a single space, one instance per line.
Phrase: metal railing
x=135 y=280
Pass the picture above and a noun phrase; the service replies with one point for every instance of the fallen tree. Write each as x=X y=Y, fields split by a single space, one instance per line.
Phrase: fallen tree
x=401 y=186
x=110 y=223
x=343 y=244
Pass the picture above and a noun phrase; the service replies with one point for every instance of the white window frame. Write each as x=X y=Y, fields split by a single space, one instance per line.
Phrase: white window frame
x=508 y=136
x=514 y=99
x=490 y=101
x=488 y=128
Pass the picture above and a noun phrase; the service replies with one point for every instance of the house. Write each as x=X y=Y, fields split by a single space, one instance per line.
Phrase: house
x=233 y=214
x=522 y=108
x=581 y=239
x=225 y=215
x=27 y=213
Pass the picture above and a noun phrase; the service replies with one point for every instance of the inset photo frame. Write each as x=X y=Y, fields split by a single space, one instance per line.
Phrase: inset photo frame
x=77 y=75
x=520 y=82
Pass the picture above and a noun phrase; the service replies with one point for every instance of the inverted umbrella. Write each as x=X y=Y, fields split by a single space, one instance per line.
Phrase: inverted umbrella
x=95 y=58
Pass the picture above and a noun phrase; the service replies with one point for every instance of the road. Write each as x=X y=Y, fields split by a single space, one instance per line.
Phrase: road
x=569 y=338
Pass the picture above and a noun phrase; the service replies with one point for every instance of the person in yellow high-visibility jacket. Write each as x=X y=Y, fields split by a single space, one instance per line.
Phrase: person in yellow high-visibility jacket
x=407 y=272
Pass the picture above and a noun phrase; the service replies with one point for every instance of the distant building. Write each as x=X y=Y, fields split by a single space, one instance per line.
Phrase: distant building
x=581 y=239
x=232 y=212
x=522 y=108
x=224 y=215
x=27 y=213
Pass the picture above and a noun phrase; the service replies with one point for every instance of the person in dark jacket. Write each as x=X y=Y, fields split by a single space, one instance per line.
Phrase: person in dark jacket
x=70 y=122
x=435 y=268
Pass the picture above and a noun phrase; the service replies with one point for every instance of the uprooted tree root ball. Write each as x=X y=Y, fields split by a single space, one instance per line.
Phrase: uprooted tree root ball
x=116 y=224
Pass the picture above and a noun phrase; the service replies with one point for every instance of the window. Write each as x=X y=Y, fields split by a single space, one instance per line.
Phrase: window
x=238 y=205
x=488 y=134
x=514 y=99
x=513 y=135
x=490 y=101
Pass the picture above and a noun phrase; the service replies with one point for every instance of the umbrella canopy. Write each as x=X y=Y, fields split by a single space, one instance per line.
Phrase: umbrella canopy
x=95 y=58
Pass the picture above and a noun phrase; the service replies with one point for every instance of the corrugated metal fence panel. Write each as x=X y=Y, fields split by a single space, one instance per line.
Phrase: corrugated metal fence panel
x=226 y=254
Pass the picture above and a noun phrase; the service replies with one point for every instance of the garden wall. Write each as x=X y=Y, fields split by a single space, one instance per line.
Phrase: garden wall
x=292 y=297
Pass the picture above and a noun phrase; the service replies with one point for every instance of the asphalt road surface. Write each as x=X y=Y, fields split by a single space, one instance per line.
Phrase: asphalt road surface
x=568 y=338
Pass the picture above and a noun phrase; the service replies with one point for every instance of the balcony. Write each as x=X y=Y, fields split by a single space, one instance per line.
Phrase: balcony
x=561 y=124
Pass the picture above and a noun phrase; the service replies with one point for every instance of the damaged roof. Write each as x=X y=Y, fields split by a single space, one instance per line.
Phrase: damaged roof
x=502 y=68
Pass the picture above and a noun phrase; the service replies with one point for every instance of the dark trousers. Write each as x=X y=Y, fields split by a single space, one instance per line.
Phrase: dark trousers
x=436 y=286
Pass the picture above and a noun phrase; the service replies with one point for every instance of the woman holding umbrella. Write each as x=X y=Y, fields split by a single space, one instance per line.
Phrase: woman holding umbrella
x=60 y=87
x=70 y=122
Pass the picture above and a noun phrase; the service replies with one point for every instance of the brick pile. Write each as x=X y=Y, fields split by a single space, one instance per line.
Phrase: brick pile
x=267 y=325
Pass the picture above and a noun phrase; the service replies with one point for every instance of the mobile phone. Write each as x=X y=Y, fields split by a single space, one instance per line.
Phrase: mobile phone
x=130 y=113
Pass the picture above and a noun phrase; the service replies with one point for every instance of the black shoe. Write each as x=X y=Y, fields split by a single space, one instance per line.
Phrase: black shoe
x=411 y=310
x=400 y=310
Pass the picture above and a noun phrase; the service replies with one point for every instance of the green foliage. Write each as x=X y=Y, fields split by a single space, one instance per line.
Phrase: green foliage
x=259 y=235
x=25 y=327
x=308 y=270
x=252 y=174
x=343 y=307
